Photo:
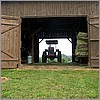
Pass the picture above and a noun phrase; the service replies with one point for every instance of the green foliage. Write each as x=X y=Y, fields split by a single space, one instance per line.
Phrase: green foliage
x=69 y=59
x=59 y=84
x=51 y=61
x=64 y=59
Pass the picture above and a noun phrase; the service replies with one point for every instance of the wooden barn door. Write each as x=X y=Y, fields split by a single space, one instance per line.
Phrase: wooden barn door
x=93 y=25
x=10 y=41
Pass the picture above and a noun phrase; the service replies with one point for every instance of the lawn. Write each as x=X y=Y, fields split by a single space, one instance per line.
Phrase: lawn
x=65 y=84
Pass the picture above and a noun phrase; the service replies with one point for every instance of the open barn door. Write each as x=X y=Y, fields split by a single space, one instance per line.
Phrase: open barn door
x=93 y=24
x=10 y=41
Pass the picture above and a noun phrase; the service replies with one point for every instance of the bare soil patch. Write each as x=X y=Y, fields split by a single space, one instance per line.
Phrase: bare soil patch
x=3 y=79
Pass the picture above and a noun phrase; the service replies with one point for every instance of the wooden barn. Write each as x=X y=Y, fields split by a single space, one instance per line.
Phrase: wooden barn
x=23 y=23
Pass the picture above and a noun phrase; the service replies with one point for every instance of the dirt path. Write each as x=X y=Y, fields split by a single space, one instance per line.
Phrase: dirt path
x=55 y=67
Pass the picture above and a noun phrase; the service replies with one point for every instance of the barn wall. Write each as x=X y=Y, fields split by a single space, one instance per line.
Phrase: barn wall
x=62 y=8
x=50 y=8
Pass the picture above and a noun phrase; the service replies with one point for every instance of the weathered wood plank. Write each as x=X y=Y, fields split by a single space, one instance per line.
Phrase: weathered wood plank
x=10 y=43
x=9 y=17
x=95 y=58
x=94 y=62
x=41 y=8
x=7 y=53
x=94 y=39
x=10 y=28
x=94 y=48
x=9 y=59
x=8 y=65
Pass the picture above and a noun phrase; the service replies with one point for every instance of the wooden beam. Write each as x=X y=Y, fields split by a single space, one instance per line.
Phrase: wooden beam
x=93 y=17
x=94 y=23
x=94 y=58
x=69 y=40
x=41 y=41
x=36 y=31
x=32 y=49
x=7 y=53
x=10 y=24
x=94 y=39
x=9 y=59
x=9 y=29
x=9 y=17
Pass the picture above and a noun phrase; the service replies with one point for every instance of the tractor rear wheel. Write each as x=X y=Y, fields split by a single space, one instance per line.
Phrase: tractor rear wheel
x=44 y=57
x=59 y=56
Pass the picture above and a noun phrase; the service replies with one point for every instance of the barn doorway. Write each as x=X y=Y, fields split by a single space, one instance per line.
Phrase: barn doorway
x=64 y=46
x=33 y=29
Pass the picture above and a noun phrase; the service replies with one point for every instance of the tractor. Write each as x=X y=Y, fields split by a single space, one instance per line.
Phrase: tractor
x=50 y=53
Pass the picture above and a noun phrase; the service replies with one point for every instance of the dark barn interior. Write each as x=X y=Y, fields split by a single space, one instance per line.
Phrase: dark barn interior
x=33 y=29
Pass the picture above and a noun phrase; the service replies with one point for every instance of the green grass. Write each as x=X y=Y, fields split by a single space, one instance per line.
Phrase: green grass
x=50 y=84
